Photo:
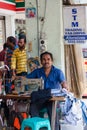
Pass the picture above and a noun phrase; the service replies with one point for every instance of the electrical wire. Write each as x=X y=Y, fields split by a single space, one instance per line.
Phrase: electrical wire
x=44 y=17
x=37 y=25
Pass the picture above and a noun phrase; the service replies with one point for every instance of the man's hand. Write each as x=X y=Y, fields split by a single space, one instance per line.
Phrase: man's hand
x=64 y=85
x=13 y=78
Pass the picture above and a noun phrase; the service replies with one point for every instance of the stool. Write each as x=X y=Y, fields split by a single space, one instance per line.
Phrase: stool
x=35 y=123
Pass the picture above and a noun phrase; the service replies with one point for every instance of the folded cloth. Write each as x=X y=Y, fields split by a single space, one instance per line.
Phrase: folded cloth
x=41 y=95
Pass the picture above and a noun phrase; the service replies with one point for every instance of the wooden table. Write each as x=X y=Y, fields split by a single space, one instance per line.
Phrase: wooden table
x=53 y=99
x=13 y=96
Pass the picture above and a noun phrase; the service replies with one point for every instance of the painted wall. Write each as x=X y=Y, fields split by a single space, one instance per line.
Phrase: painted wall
x=8 y=9
x=48 y=25
x=10 y=1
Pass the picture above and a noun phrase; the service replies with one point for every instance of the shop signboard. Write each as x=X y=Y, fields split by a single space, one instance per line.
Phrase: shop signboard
x=74 y=24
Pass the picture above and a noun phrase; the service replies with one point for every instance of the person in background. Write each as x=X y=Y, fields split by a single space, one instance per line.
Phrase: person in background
x=19 y=58
x=3 y=52
x=21 y=33
x=11 y=43
x=53 y=78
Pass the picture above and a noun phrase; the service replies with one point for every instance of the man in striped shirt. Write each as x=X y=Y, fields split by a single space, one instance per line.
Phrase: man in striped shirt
x=19 y=58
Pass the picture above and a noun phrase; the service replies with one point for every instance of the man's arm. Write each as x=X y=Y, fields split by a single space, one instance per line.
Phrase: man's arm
x=64 y=85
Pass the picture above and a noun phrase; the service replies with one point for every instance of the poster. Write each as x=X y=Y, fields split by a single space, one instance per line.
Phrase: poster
x=30 y=12
x=74 y=24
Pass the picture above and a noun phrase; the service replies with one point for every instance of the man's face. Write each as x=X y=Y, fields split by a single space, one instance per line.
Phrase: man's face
x=21 y=43
x=10 y=44
x=46 y=61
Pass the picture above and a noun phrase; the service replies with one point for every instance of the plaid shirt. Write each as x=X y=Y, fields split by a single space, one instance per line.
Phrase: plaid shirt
x=19 y=61
x=9 y=53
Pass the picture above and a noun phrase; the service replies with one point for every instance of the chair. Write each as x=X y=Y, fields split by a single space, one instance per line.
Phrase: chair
x=35 y=123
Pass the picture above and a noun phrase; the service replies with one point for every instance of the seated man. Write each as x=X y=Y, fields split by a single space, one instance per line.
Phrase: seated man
x=53 y=78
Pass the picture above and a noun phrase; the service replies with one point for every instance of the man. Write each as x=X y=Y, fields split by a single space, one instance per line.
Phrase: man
x=11 y=44
x=19 y=58
x=53 y=78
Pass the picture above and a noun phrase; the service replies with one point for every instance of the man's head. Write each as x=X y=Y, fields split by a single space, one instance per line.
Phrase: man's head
x=22 y=42
x=11 y=42
x=5 y=46
x=46 y=59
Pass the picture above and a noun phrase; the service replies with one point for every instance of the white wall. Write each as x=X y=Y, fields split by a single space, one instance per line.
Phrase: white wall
x=20 y=15
x=52 y=28
x=10 y=25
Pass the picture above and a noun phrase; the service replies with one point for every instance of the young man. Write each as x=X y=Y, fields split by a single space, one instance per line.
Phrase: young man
x=11 y=43
x=19 y=58
x=53 y=78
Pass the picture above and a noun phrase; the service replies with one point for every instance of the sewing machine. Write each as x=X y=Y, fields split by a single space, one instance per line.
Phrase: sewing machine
x=32 y=85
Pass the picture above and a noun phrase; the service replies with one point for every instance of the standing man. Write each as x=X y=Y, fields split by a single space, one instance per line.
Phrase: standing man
x=19 y=58
x=11 y=44
x=53 y=78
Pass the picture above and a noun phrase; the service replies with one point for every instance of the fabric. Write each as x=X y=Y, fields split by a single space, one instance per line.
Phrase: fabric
x=58 y=92
x=71 y=109
x=84 y=111
x=18 y=120
x=74 y=114
x=41 y=95
x=54 y=79
x=19 y=61
x=17 y=123
x=2 y=55
x=8 y=57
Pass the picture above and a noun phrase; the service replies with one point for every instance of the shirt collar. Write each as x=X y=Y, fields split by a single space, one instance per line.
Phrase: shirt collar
x=42 y=69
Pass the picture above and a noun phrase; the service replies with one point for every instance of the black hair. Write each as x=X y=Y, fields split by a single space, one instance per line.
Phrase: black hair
x=12 y=39
x=5 y=46
x=22 y=37
x=44 y=53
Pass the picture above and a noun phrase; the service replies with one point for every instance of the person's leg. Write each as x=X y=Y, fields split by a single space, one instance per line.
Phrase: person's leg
x=49 y=109
x=35 y=108
x=34 y=111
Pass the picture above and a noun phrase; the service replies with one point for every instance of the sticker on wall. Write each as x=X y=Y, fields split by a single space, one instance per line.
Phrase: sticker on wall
x=31 y=12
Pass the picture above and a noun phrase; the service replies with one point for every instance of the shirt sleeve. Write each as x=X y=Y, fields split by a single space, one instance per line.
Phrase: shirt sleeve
x=13 y=61
x=32 y=74
x=61 y=77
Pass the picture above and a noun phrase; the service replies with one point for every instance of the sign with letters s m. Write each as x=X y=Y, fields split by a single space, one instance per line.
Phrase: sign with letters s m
x=74 y=24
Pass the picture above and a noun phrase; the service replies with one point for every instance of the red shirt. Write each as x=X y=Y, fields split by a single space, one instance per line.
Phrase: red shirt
x=2 y=55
